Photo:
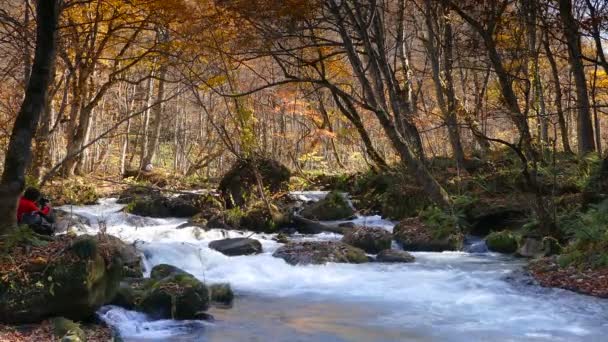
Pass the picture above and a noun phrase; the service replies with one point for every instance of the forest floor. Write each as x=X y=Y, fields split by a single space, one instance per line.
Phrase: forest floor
x=584 y=280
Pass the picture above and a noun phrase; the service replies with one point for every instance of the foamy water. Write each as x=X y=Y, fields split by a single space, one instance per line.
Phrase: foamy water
x=441 y=297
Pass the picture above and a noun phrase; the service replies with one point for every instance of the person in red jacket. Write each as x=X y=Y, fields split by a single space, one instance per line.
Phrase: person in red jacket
x=34 y=211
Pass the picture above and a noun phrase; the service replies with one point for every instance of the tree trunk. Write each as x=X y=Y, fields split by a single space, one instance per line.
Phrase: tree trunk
x=584 y=126
x=157 y=112
x=19 y=150
x=444 y=86
x=563 y=128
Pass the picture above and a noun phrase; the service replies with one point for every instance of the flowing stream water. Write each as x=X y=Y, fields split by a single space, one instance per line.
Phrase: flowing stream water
x=453 y=296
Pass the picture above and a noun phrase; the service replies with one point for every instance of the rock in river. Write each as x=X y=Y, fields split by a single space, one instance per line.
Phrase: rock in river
x=320 y=252
x=170 y=293
x=371 y=240
x=333 y=207
x=394 y=255
x=237 y=246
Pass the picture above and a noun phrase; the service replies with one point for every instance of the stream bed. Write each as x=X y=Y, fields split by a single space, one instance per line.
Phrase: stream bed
x=450 y=296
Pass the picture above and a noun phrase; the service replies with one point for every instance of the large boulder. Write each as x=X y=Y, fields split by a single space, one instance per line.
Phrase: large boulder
x=320 y=252
x=414 y=235
x=171 y=293
x=66 y=330
x=334 y=206
x=488 y=215
x=262 y=217
x=536 y=247
x=502 y=242
x=371 y=240
x=394 y=255
x=180 y=296
x=237 y=246
x=129 y=255
x=69 y=277
x=185 y=205
x=241 y=182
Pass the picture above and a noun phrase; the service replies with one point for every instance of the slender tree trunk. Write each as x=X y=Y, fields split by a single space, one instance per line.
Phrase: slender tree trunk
x=563 y=128
x=584 y=126
x=157 y=113
x=444 y=86
x=19 y=149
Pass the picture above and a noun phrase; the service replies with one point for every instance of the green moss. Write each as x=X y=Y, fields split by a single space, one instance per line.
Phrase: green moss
x=333 y=207
x=233 y=216
x=551 y=246
x=262 y=218
x=85 y=247
x=221 y=293
x=442 y=224
x=502 y=242
x=355 y=256
x=163 y=271
x=64 y=328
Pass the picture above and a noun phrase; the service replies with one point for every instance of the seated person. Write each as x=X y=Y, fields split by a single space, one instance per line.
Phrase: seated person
x=34 y=211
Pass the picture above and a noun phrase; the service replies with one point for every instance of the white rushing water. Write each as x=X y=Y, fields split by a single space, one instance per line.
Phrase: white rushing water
x=440 y=297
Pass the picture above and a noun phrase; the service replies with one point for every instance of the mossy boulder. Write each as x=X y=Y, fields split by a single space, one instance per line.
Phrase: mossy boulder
x=263 y=218
x=502 y=242
x=180 y=296
x=320 y=252
x=490 y=214
x=241 y=183
x=394 y=255
x=66 y=330
x=334 y=206
x=221 y=294
x=185 y=205
x=415 y=235
x=78 y=276
x=171 y=293
x=371 y=240
x=163 y=271
x=129 y=256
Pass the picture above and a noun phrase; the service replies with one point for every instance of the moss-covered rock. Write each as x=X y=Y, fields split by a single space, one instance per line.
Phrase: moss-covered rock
x=81 y=276
x=221 y=294
x=66 y=330
x=371 y=240
x=394 y=255
x=415 y=235
x=263 y=218
x=155 y=204
x=334 y=206
x=240 y=184
x=171 y=293
x=320 y=252
x=162 y=271
x=502 y=242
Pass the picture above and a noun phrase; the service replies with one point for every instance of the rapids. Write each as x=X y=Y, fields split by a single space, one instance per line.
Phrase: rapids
x=453 y=296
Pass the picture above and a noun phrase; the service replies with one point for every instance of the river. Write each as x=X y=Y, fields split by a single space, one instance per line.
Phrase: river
x=450 y=296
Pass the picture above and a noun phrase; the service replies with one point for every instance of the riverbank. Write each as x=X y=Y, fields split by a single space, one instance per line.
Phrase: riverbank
x=585 y=280
x=44 y=332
